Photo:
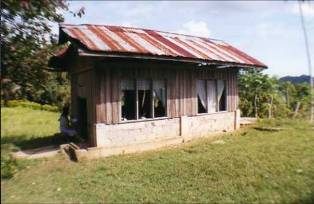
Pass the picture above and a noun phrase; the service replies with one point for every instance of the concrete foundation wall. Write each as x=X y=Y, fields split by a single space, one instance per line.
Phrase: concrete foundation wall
x=188 y=127
x=136 y=132
x=200 y=125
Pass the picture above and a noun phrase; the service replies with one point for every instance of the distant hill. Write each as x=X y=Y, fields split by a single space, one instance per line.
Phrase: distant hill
x=296 y=79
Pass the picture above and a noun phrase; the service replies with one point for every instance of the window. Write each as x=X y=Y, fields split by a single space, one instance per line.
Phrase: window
x=142 y=99
x=211 y=96
x=128 y=96
x=201 y=96
x=159 y=94
x=221 y=94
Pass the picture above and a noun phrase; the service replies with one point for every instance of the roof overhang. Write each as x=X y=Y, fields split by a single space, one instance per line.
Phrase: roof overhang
x=58 y=63
x=199 y=62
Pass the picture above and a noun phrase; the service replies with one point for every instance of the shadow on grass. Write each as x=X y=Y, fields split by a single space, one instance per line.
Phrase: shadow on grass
x=306 y=200
x=24 y=142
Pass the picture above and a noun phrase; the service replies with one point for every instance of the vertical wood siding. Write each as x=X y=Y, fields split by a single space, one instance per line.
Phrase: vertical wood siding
x=101 y=84
x=84 y=84
x=181 y=88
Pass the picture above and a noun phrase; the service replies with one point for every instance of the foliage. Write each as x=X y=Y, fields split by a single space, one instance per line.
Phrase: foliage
x=264 y=96
x=27 y=43
x=8 y=163
x=32 y=105
x=242 y=170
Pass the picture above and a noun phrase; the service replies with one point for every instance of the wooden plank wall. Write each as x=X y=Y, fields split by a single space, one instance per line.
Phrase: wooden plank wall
x=102 y=81
x=83 y=84
x=181 y=87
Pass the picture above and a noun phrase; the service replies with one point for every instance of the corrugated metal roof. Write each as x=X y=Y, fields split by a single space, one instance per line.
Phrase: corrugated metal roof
x=116 y=39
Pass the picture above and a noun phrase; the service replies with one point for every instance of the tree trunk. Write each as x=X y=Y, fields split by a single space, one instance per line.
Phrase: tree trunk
x=5 y=98
x=255 y=106
x=296 y=109
x=270 y=109
x=287 y=98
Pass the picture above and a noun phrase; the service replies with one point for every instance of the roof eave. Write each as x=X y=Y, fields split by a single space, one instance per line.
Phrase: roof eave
x=59 y=62
x=167 y=58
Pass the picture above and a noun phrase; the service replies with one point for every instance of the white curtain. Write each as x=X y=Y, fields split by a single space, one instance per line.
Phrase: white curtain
x=143 y=85
x=220 y=88
x=211 y=94
x=160 y=90
x=201 y=92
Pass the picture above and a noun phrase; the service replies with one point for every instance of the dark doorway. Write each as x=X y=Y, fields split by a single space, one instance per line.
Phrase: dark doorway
x=82 y=118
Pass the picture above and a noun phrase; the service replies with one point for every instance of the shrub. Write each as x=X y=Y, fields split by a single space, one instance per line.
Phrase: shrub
x=8 y=165
x=50 y=108
x=32 y=105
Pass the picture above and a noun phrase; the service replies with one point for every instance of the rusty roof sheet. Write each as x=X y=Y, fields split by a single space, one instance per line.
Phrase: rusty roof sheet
x=117 y=39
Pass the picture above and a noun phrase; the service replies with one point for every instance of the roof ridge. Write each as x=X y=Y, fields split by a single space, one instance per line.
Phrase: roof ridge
x=137 y=28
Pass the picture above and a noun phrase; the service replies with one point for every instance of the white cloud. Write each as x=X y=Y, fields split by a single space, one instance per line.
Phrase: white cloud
x=307 y=8
x=273 y=30
x=197 y=28
x=138 y=11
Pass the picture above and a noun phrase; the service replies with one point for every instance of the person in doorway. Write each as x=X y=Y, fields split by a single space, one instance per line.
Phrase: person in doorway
x=65 y=127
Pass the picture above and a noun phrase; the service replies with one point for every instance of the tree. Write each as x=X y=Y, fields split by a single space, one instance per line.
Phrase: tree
x=27 y=43
x=254 y=87
x=264 y=96
x=289 y=91
x=303 y=96
x=260 y=95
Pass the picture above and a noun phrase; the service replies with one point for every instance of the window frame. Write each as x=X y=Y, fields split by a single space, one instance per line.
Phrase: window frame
x=120 y=99
x=217 y=100
x=151 y=86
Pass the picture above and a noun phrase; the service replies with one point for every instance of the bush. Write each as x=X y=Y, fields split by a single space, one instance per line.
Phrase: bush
x=32 y=105
x=8 y=165
x=50 y=108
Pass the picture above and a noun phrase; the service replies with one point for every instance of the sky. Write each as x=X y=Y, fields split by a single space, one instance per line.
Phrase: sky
x=267 y=30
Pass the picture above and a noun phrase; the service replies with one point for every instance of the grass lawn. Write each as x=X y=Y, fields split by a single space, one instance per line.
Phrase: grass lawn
x=27 y=128
x=250 y=167
x=24 y=128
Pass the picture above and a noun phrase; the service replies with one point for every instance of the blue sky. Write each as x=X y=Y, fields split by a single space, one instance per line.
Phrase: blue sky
x=268 y=31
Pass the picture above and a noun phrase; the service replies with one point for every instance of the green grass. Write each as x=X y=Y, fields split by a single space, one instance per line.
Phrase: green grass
x=251 y=167
x=24 y=128
x=27 y=128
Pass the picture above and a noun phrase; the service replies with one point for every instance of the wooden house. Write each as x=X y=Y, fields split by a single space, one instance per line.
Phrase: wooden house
x=131 y=86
